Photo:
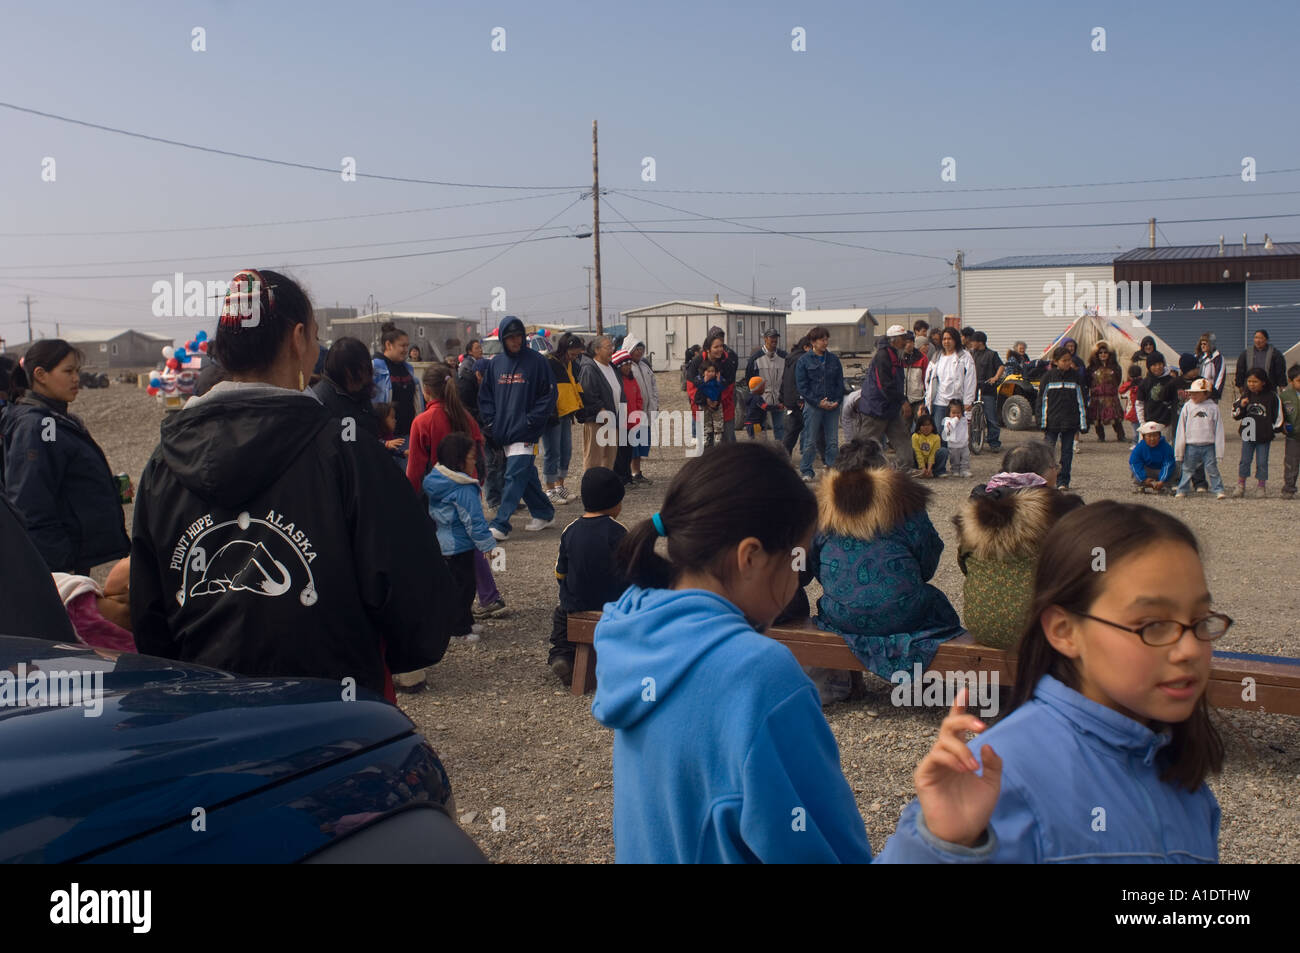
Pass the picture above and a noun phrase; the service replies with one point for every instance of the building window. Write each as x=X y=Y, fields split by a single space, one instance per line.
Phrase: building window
x=103 y=348
x=115 y=350
x=740 y=328
x=419 y=331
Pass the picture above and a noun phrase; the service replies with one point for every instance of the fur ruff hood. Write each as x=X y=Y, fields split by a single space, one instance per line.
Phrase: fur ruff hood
x=1000 y=526
x=866 y=503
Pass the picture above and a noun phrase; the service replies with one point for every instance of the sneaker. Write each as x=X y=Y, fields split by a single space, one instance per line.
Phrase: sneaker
x=562 y=666
x=965 y=473
x=641 y=480
x=1063 y=487
x=1180 y=496
x=470 y=637
x=409 y=681
x=491 y=610
x=1260 y=492
x=499 y=536
x=1221 y=495
x=944 y=475
x=808 y=479
x=554 y=497
x=563 y=494
x=1288 y=494
x=535 y=525
x=1239 y=492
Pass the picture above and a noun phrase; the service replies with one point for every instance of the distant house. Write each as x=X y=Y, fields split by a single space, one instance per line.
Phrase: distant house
x=428 y=331
x=853 y=330
x=670 y=328
x=907 y=316
x=107 y=348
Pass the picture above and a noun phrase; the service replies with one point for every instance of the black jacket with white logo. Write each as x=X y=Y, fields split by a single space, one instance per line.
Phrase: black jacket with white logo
x=266 y=542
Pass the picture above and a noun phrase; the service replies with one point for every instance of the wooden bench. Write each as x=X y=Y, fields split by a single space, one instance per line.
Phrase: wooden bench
x=1277 y=679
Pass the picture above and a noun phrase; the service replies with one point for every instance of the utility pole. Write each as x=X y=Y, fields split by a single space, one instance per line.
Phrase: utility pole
x=595 y=225
x=29 y=302
x=958 y=267
x=587 y=269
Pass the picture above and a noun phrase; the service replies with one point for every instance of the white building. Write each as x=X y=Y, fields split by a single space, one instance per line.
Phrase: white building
x=428 y=331
x=853 y=330
x=1011 y=299
x=668 y=329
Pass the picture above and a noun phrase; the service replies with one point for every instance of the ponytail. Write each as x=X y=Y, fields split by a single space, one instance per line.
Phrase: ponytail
x=441 y=383
x=734 y=491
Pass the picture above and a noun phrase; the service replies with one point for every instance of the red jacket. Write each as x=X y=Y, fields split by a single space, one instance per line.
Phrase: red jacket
x=635 y=402
x=427 y=431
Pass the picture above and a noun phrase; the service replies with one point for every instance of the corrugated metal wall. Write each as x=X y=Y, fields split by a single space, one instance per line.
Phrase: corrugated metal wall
x=1007 y=304
x=1281 y=323
x=1174 y=320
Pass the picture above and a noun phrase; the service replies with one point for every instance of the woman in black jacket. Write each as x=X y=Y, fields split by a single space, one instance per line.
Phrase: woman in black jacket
x=271 y=539
x=347 y=383
x=56 y=476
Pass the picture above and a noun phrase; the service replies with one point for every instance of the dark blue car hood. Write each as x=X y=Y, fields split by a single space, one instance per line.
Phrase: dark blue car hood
x=171 y=737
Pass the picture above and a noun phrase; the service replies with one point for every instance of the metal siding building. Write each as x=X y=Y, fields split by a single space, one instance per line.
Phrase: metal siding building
x=853 y=330
x=1005 y=298
x=1279 y=314
x=1173 y=317
x=104 y=349
x=907 y=316
x=670 y=328
x=425 y=329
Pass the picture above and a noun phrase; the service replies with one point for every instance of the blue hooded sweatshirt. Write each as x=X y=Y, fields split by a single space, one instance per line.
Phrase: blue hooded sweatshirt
x=457 y=510
x=518 y=392
x=1160 y=457
x=721 y=751
x=1081 y=784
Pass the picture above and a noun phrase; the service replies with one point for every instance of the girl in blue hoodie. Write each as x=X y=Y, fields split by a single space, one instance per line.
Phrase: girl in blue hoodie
x=721 y=752
x=456 y=506
x=1108 y=741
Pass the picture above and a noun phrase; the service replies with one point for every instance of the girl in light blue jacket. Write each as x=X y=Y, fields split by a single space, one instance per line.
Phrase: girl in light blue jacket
x=1108 y=741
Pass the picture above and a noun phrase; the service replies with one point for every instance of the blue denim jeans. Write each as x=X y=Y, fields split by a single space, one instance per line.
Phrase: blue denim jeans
x=557 y=450
x=990 y=402
x=1253 y=449
x=817 y=421
x=522 y=483
x=1200 y=455
x=778 y=423
x=1066 y=437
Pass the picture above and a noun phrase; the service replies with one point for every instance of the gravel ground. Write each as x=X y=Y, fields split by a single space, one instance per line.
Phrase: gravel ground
x=513 y=738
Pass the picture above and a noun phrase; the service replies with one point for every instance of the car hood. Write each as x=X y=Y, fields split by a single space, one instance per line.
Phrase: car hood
x=152 y=741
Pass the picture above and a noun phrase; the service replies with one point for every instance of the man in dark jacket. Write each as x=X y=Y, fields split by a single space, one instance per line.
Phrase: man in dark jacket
x=820 y=380
x=883 y=400
x=29 y=602
x=267 y=543
x=602 y=393
x=793 y=403
x=1062 y=410
x=516 y=399
x=1264 y=356
x=988 y=372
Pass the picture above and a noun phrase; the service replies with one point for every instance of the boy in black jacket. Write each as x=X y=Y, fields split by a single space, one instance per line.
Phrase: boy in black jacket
x=1157 y=396
x=586 y=569
x=1062 y=409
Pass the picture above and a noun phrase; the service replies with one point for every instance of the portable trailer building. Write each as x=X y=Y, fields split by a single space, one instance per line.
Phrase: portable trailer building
x=427 y=331
x=669 y=329
x=853 y=330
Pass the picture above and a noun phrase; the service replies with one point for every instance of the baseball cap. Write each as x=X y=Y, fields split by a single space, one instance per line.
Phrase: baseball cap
x=1200 y=384
x=620 y=357
x=895 y=331
x=1150 y=427
x=771 y=333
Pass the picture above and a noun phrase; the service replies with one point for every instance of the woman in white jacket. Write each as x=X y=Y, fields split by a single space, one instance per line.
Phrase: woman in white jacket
x=951 y=376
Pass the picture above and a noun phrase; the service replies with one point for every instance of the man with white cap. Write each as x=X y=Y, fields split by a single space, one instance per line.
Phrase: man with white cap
x=883 y=402
x=1152 y=460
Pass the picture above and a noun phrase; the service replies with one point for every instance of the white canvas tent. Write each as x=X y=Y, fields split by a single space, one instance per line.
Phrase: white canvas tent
x=1293 y=355
x=1121 y=334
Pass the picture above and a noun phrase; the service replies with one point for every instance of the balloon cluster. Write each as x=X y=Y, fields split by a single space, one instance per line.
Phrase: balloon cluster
x=180 y=364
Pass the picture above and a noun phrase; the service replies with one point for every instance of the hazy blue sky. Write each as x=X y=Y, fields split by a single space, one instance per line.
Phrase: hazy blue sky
x=884 y=91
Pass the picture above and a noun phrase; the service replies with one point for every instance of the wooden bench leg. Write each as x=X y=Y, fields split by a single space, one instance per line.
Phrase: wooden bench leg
x=584 y=669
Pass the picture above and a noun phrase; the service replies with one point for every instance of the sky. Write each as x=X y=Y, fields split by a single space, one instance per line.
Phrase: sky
x=721 y=101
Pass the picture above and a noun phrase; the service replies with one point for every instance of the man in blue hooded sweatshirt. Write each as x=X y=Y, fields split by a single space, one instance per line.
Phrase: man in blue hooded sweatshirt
x=516 y=399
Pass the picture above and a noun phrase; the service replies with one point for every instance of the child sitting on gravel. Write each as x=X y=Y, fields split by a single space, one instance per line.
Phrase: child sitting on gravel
x=586 y=568
x=456 y=505
x=1152 y=461
x=1109 y=708
x=721 y=751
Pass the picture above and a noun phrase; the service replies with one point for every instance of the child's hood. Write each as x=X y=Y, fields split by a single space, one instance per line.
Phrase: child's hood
x=647 y=643
x=442 y=482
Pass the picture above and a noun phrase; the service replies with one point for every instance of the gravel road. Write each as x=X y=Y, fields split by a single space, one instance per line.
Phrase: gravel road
x=512 y=738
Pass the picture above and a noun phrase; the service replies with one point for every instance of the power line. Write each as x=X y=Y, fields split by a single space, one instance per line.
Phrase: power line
x=713 y=281
x=789 y=234
x=991 y=188
x=798 y=233
x=292 y=221
x=280 y=162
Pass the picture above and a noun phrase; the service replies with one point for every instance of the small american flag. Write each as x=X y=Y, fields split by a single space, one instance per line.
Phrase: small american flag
x=1198 y=307
x=1253 y=307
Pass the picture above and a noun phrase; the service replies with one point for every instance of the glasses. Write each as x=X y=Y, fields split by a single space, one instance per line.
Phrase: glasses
x=1168 y=631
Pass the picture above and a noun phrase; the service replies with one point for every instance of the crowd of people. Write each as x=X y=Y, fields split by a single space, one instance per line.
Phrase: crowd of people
x=274 y=535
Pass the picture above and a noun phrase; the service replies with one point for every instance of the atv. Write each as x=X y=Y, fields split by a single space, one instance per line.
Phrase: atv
x=1018 y=398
